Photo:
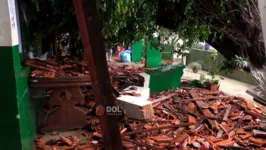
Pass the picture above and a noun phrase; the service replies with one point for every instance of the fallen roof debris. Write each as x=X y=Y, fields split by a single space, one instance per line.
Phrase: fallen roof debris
x=189 y=124
x=186 y=118
x=72 y=70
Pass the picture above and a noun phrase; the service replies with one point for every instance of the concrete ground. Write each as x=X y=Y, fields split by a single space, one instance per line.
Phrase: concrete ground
x=227 y=85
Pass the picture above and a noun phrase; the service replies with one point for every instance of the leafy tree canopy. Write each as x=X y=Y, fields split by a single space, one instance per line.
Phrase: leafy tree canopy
x=231 y=26
x=122 y=20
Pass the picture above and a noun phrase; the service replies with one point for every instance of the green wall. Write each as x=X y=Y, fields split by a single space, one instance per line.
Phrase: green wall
x=137 y=49
x=9 y=124
x=208 y=65
x=17 y=120
x=154 y=57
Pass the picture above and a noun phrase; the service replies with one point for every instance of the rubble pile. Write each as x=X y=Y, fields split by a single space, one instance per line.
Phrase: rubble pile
x=72 y=68
x=188 y=118
x=125 y=76
x=219 y=121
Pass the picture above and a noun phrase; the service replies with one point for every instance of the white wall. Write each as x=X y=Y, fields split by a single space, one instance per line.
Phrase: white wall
x=8 y=23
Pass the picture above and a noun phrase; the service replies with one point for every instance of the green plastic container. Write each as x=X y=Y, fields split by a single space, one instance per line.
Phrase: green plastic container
x=166 y=78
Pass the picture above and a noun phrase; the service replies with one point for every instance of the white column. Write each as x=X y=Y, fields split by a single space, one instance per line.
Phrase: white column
x=18 y=26
x=8 y=23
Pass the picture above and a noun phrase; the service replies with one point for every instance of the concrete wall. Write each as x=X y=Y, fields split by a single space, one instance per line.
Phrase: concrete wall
x=210 y=65
x=17 y=118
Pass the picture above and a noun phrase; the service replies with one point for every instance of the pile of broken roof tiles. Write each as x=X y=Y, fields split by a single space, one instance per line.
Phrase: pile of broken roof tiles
x=191 y=118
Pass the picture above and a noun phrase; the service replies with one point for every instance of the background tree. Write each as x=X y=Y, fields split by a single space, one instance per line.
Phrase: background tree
x=233 y=27
x=122 y=21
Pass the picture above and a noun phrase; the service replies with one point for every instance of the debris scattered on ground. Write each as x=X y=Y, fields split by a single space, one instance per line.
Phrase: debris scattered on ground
x=186 y=118
x=66 y=140
x=191 y=118
x=69 y=90
x=72 y=69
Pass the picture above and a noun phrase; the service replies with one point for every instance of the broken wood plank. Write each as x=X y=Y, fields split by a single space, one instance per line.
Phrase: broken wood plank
x=206 y=112
x=236 y=148
x=97 y=134
x=191 y=119
x=250 y=127
x=130 y=127
x=66 y=140
x=127 y=145
x=258 y=133
x=257 y=141
x=191 y=113
x=212 y=93
x=226 y=114
x=158 y=128
x=193 y=139
x=203 y=99
x=180 y=139
x=141 y=144
x=162 y=138
x=123 y=130
x=245 y=136
x=238 y=124
x=214 y=107
x=250 y=112
x=161 y=99
x=227 y=142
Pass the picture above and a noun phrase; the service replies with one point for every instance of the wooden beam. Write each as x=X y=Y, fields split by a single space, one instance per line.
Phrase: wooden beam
x=90 y=29
x=206 y=112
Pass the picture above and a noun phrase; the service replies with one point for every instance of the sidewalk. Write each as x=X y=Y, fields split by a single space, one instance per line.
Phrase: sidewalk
x=228 y=86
